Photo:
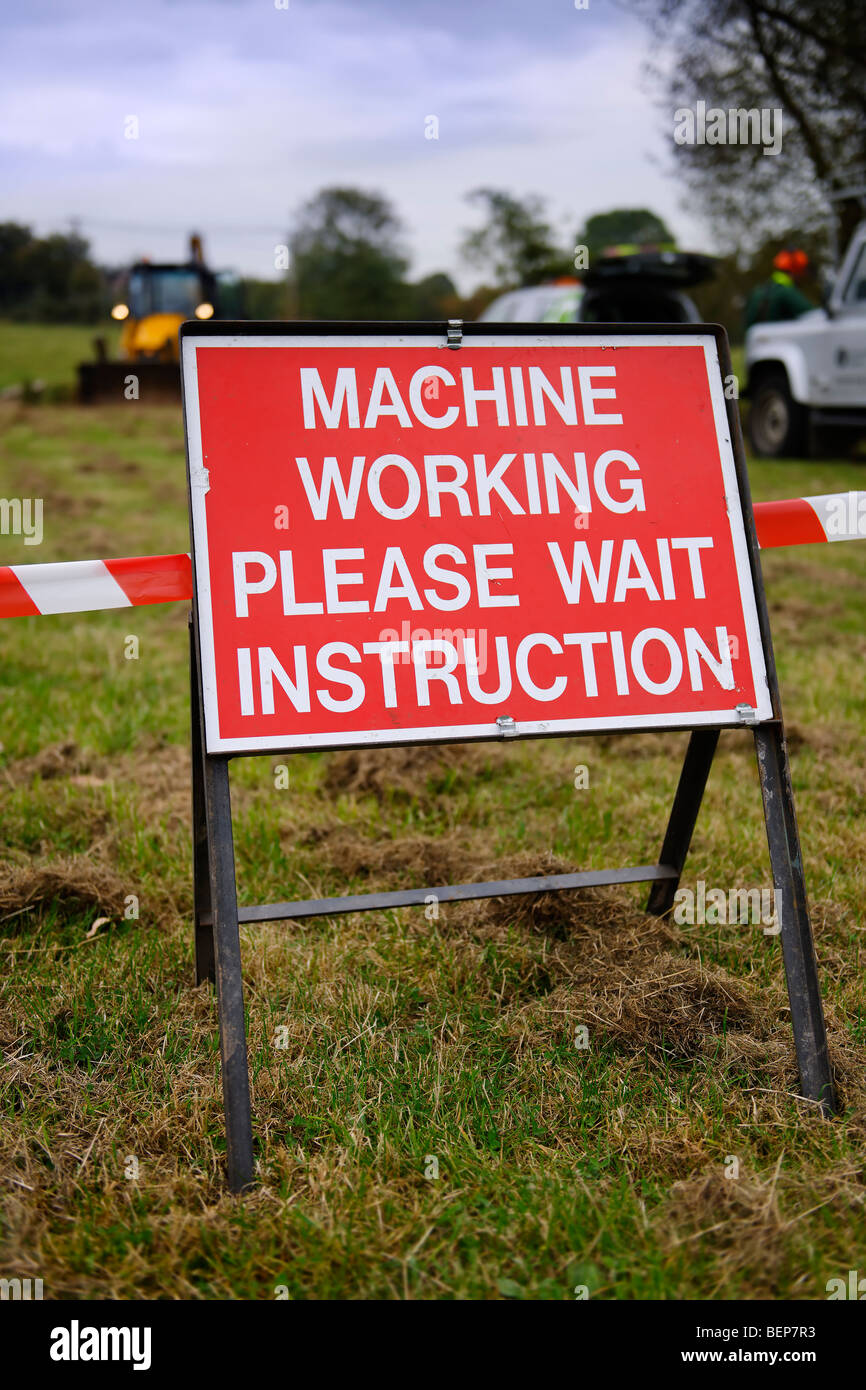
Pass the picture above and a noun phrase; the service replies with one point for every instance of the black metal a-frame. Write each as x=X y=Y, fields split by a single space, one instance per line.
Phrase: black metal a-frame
x=217 y=916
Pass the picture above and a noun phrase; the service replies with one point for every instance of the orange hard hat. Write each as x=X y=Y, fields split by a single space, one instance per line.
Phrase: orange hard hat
x=791 y=260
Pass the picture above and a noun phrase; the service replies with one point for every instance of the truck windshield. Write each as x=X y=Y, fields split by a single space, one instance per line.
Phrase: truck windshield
x=171 y=291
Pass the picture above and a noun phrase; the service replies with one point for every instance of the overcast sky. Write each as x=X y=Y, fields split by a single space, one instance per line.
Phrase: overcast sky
x=244 y=110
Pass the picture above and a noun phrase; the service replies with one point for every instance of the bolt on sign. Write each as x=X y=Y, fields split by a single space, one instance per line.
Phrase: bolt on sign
x=412 y=533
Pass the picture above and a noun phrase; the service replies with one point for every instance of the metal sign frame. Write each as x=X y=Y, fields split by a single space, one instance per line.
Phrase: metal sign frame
x=217 y=916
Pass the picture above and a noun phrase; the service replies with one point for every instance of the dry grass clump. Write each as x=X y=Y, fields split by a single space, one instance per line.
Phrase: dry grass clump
x=404 y=772
x=57 y=761
x=67 y=885
x=389 y=862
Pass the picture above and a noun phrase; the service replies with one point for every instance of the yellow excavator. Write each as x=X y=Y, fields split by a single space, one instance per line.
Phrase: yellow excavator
x=151 y=302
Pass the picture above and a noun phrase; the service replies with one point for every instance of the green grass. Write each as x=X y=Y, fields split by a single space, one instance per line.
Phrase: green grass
x=31 y=352
x=407 y=1039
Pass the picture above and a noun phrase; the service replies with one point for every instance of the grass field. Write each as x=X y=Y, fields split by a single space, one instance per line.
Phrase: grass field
x=382 y=1042
x=48 y=353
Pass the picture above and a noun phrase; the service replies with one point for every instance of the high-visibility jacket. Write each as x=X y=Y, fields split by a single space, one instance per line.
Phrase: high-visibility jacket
x=776 y=301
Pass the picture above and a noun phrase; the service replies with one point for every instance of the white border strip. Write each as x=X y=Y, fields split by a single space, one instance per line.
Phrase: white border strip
x=764 y=708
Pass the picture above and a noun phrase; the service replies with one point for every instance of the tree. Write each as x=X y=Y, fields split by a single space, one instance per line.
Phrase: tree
x=14 y=240
x=48 y=278
x=622 y=226
x=805 y=58
x=347 y=257
x=433 y=297
x=515 y=244
x=262 y=299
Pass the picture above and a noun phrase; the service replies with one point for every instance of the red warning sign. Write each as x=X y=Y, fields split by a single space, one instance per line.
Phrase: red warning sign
x=397 y=540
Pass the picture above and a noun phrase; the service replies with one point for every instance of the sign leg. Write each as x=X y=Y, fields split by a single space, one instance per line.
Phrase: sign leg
x=684 y=814
x=230 y=991
x=205 y=967
x=792 y=914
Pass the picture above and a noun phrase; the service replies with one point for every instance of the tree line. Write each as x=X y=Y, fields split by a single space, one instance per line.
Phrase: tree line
x=348 y=260
x=51 y=279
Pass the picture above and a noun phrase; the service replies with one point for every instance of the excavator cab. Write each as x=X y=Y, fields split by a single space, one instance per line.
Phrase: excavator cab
x=151 y=303
x=156 y=299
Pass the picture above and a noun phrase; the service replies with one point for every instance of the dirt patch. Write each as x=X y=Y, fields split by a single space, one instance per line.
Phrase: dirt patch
x=113 y=464
x=160 y=778
x=410 y=772
x=613 y=966
x=56 y=761
x=672 y=1006
x=670 y=747
x=71 y=885
x=612 y=923
x=739 y=1216
x=798 y=622
x=397 y=862
x=158 y=775
x=783 y=566
x=605 y=963
x=820 y=738
x=616 y=969
x=669 y=1146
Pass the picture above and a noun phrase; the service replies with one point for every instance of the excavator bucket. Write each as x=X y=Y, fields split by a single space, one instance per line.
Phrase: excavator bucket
x=109 y=383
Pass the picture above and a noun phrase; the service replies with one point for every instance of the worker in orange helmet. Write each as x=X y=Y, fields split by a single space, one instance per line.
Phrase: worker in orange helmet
x=779 y=299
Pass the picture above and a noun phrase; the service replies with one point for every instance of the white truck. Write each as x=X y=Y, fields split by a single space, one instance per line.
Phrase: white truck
x=807 y=378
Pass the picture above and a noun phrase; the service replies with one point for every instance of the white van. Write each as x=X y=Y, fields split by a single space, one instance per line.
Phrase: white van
x=809 y=375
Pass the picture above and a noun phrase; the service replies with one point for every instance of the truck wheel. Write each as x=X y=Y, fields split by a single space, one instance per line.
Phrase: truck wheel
x=778 y=425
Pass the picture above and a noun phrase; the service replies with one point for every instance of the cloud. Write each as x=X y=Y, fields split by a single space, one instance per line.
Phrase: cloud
x=245 y=110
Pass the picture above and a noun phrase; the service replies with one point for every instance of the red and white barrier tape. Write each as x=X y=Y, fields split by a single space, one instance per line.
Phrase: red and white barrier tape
x=832 y=516
x=82 y=586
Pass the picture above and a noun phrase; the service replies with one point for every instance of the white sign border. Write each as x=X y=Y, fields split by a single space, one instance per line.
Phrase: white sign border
x=215 y=743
